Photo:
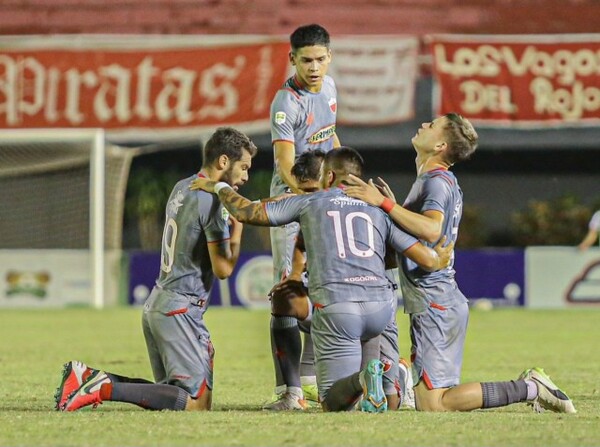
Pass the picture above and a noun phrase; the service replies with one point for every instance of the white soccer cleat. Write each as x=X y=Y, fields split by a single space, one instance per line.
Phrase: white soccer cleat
x=287 y=402
x=408 y=399
x=550 y=397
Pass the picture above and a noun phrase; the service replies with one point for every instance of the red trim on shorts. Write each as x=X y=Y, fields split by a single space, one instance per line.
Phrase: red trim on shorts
x=176 y=312
x=426 y=380
x=202 y=389
x=437 y=306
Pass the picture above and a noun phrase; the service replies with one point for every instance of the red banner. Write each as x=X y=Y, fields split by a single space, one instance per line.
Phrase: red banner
x=518 y=80
x=142 y=84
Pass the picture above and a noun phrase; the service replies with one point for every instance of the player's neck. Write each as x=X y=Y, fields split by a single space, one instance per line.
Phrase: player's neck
x=210 y=173
x=427 y=163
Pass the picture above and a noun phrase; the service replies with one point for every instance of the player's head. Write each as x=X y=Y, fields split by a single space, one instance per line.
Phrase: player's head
x=450 y=136
x=310 y=55
x=338 y=164
x=229 y=153
x=307 y=170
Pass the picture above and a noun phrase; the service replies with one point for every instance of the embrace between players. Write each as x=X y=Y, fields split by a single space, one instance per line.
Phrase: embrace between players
x=343 y=296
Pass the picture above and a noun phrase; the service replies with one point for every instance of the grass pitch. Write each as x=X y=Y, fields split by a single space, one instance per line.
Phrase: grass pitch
x=500 y=344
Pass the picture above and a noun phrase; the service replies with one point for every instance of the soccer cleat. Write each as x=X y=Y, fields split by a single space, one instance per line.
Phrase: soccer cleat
x=73 y=375
x=408 y=399
x=287 y=402
x=373 y=398
x=549 y=397
x=88 y=393
x=311 y=393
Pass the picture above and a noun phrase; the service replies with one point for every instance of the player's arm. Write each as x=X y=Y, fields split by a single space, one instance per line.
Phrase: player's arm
x=430 y=259
x=224 y=254
x=589 y=240
x=239 y=206
x=285 y=156
x=298 y=260
x=426 y=226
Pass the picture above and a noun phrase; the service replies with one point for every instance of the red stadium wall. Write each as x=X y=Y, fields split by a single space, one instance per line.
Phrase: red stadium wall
x=417 y=17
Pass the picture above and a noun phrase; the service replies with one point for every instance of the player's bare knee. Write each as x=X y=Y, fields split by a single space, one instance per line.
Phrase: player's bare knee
x=203 y=403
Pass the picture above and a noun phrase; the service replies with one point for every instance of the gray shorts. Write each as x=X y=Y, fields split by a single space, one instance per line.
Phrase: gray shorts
x=283 y=241
x=438 y=340
x=337 y=331
x=178 y=342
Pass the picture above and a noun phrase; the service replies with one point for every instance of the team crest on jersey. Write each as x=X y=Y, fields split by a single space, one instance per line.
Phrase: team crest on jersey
x=333 y=104
x=322 y=134
x=280 y=117
x=175 y=204
x=224 y=214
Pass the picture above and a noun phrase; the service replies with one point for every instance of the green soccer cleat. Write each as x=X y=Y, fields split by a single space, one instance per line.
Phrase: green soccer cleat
x=373 y=398
x=73 y=375
x=550 y=397
x=88 y=393
x=311 y=393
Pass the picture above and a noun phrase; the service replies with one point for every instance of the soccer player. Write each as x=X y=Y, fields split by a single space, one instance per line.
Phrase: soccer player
x=438 y=310
x=290 y=309
x=592 y=235
x=197 y=245
x=303 y=117
x=345 y=241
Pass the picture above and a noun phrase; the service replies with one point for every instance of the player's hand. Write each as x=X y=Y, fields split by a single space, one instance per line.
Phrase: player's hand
x=203 y=184
x=288 y=288
x=385 y=189
x=367 y=192
x=444 y=253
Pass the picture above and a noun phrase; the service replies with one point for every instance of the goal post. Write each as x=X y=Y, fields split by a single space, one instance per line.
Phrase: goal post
x=63 y=190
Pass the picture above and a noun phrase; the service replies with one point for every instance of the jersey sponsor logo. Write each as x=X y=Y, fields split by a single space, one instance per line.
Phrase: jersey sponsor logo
x=322 y=134
x=332 y=104
x=175 y=204
x=343 y=201
x=224 y=214
x=280 y=117
x=366 y=278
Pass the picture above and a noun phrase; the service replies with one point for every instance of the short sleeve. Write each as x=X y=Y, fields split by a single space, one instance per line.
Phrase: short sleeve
x=284 y=113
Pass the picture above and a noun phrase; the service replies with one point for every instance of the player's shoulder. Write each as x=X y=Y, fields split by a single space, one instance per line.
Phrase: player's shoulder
x=443 y=176
x=290 y=91
x=329 y=82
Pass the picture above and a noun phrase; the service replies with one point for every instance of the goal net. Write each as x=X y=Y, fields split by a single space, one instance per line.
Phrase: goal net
x=63 y=192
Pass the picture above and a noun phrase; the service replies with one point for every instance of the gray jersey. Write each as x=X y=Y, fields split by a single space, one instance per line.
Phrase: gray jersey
x=435 y=190
x=303 y=118
x=194 y=219
x=345 y=241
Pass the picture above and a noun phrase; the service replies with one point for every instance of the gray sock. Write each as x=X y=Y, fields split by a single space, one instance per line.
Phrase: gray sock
x=150 y=396
x=344 y=393
x=501 y=394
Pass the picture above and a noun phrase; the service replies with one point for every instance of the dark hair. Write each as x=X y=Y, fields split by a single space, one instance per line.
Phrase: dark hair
x=308 y=165
x=461 y=138
x=227 y=141
x=343 y=161
x=308 y=36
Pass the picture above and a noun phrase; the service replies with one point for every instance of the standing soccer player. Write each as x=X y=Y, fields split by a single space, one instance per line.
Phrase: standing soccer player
x=303 y=117
x=438 y=310
x=345 y=241
x=593 y=231
x=197 y=245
